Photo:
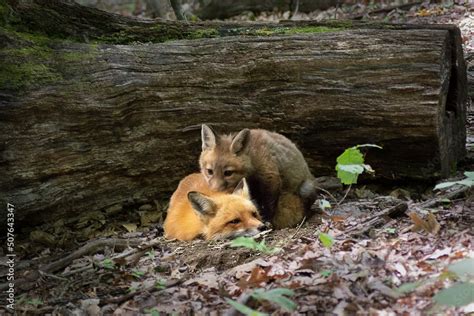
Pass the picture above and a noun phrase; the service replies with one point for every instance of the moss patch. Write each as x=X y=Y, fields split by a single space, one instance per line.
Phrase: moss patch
x=203 y=33
x=6 y=14
x=35 y=60
x=311 y=29
x=284 y=30
x=18 y=76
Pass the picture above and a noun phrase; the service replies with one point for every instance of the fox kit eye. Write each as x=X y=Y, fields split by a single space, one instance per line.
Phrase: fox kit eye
x=228 y=173
x=210 y=172
x=255 y=214
x=234 y=221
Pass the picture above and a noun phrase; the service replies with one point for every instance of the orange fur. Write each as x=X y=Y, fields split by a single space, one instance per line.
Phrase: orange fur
x=213 y=214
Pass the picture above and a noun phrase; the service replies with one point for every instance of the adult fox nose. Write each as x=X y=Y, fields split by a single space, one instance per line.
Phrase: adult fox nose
x=264 y=226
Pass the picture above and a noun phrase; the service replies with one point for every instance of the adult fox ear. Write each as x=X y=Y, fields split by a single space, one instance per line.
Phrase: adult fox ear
x=208 y=137
x=242 y=189
x=202 y=204
x=240 y=141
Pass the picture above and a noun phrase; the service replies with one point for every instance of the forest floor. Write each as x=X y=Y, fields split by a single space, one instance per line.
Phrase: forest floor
x=393 y=249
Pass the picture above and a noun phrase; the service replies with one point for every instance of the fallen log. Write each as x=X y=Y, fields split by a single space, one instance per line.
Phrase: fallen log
x=86 y=124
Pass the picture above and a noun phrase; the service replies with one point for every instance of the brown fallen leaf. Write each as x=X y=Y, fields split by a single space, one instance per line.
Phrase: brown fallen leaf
x=430 y=224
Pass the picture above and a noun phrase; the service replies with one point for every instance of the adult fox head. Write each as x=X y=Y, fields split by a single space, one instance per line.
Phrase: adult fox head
x=223 y=160
x=227 y=215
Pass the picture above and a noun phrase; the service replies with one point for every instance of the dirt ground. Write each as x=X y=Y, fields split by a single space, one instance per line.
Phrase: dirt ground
x=382 y=261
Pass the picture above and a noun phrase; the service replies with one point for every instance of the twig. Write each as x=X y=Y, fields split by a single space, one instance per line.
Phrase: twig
x=298 y=228
x=345 y=195
x=52 y=276
x=327 y=192
x=374 y=220
x=151 y=289
x=88 y=248
x=449 y=195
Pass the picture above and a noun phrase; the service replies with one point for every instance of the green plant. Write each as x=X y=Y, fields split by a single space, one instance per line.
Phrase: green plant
x=151 y=254
x=326 y=240
x=108 y=264
x=250 y=243
x=34 y=302
x=160 y=284
x=390 y=230
x=244 y=309
x=324 y=204
x=460 y=294
x=279 y=296
x=137 y=273
x=152 y=311
x=350 y=164
x=468 y=181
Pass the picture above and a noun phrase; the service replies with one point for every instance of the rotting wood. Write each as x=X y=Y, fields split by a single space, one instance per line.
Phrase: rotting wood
x=89 y=125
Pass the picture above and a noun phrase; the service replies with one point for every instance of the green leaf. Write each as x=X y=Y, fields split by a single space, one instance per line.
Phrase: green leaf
x=463 y=268
x=250 y=243
x=351 y=156
x=326 y=240
x=390 y=230
x=444 y=185
x=459 y=294
x=326 y=273
x=108 y=264
x=244 y=309
x=468 y=181
x=35 y=302
x=277 y=296
x=350 y=164
x=153 y=311
x=408 y=287
x=160 y=284
x=469 y=175
x=324 y=204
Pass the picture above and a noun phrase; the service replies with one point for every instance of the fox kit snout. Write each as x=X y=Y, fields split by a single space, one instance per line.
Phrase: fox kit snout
x=278 y=176
x=197 y=210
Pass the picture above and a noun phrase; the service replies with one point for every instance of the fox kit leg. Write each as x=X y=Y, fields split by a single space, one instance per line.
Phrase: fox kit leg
x=268 y=187
x=290 y=211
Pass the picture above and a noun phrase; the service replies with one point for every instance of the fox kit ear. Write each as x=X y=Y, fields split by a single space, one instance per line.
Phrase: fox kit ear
x=240 y=141
x=208 y=137
x=202 y=204
x=242 y=189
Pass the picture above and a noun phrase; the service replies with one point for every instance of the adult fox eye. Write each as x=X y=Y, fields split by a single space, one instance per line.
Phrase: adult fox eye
x=209 y=172
x=234 y=221
x=228 y=173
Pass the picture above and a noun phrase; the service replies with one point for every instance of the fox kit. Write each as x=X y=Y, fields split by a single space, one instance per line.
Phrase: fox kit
x=277 y=174
x=196 y=210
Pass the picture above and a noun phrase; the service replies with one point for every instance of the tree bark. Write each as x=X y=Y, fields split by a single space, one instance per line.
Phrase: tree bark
x=86 y=124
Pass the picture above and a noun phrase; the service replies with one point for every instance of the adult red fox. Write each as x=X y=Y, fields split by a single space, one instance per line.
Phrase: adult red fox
x=277 y=174
x=196 y=210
